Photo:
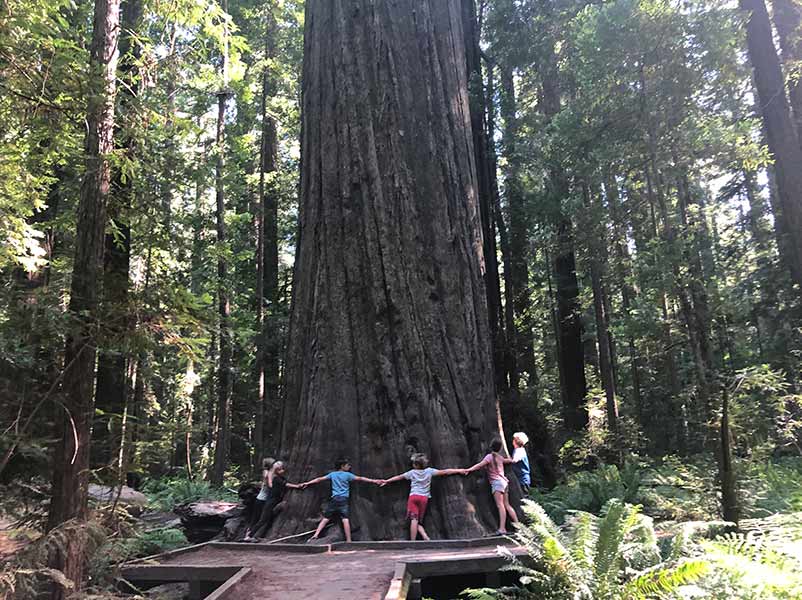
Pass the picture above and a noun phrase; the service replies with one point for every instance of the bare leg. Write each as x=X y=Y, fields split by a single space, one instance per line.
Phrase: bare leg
x=347 y=529
x=323 y=522
x=509 y=508
x=423 y=533
x=413 y=529
x=502 y=512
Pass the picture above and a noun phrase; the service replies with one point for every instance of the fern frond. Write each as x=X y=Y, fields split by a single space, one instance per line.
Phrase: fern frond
x=585 y=536
x=659 y=582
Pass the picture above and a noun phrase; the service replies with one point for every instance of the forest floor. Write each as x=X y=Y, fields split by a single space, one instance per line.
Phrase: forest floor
x=10 y=541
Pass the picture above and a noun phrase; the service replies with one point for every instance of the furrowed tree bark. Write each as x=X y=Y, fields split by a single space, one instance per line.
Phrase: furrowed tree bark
x=390 y=348
x=781 y=133
x=71 y=455
x=224 y=380
x=267 y=266
x=112 y=386
x=788 y=22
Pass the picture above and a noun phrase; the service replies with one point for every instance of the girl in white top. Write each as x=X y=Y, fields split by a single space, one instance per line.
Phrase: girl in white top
x=267 y=464
x=420 y=490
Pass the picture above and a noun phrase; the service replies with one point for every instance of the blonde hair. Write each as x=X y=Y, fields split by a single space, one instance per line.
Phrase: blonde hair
x=277 y=465
x=521 y=437
x=420 y=461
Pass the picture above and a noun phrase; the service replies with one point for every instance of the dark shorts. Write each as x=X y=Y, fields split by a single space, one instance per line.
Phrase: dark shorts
x=338 y=505
x=416 y=507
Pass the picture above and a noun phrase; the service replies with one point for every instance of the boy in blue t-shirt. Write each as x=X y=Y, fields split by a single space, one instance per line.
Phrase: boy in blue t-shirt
x=520 y=461
x=340 y=492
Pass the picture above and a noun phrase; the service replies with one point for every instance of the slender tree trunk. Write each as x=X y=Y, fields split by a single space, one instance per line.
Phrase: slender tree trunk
x=623 y=272
x=571 y=357
x=729 y=488
x=390 y=348
x=698 y=334
x=597 y=259
x=781 y=134
x=522 y=343
x=224 y=378
x=71 y=454
x=112 y=366
x=788 y=22
x=267 y=265
x=569 y=323
x=510 y=330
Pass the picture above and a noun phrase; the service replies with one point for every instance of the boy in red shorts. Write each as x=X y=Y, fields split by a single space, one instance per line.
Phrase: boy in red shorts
x=420 y=490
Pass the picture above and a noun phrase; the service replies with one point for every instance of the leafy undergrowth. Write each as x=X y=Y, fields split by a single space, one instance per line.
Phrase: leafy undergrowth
x=676 y=490
x=26 y=575
x=167 y=493
x=620 y=555
x=111 y=537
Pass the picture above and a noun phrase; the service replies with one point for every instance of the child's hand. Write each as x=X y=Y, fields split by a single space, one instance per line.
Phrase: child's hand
x=382 y=482
x=464 y=471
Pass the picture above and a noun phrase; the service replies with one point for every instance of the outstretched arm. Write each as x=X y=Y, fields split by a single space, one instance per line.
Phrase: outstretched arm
x=507 y=461
x=393 y=479
x=296 y=486
x=312 y=482
x=441 y=472
x=367 y=480
x=477 y=466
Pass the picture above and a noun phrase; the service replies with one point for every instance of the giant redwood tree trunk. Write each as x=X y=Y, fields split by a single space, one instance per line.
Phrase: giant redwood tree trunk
x=390 y=348
x=71 y=454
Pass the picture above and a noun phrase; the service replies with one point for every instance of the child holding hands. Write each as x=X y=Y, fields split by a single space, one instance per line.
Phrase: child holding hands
x=341 y=479
x=420 y=486
x=499 y=484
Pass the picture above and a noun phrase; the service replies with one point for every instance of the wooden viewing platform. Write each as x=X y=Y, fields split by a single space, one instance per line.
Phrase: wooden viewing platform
x=349 y=571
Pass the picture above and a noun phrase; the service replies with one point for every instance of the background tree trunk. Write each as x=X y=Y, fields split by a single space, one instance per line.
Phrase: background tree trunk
x=112 y=386
x=522 y=343
x=570 y=353
x=389 y=349
x=267 y=268
x=224 y=376
x=781 y=134
x=788 y=21
x=71 y=455
x=598 y=264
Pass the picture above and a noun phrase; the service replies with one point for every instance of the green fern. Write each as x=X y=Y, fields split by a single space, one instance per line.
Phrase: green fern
x=660 y=582
x=612 y=557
